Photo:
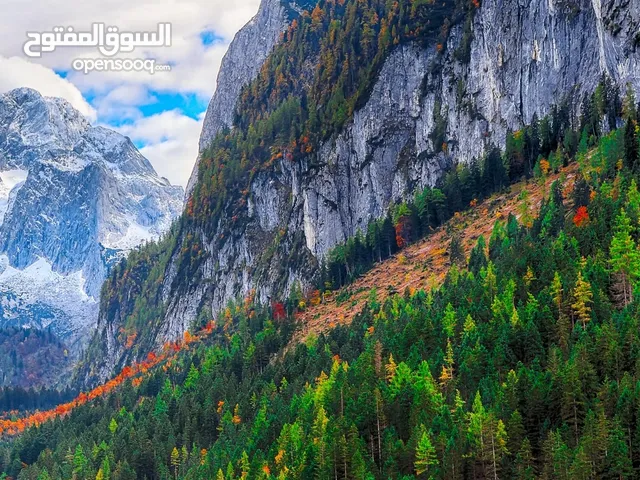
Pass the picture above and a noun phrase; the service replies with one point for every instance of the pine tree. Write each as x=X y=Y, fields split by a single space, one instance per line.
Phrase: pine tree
x=478 y=258
x=448 y=367
x=572 y=405
x=477 y=429
x=583 y=299
x=524 y=462
x=175 y=461
x=581 y=193
x=494 y=175
x=633 y=205
x=556 y=291
x=625 y=258
x=498 y=440
x=321 y=447
x=581 y=468
x=456 y=252
x=245 y=466
x=563 y=326
x=192 y=378
x=390 y=369
x=426 y=458
x=629 y=111
x=490 y=282
x=80 y=461
x=230 y=474
x=524 y=208
x=106 y=468
x=184 y=455
x=631 y=146
x=618 y=462
x=450 y=321
x=558 y=462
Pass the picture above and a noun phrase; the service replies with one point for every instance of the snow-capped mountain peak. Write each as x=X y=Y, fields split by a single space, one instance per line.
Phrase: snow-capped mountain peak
x=73 y=199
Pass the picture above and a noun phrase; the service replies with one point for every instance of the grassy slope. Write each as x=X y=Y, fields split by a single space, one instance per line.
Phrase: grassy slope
x=424 y=264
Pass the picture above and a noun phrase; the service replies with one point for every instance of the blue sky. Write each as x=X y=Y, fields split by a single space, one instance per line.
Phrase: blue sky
x=162 y=113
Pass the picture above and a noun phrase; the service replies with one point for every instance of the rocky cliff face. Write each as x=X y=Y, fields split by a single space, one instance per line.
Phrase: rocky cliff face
x=523 y=57
x=240 y=65
x=73 y=199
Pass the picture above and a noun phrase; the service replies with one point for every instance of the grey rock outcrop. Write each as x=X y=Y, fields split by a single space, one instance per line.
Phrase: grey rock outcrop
x=525 y=57
x=240 y=65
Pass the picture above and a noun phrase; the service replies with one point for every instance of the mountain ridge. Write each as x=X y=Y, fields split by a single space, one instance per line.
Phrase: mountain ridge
x=76 y=198
x=526 y=346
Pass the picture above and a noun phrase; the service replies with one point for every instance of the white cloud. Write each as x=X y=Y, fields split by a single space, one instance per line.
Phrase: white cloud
x=17 y=72
x=171 y=143
x=121 y=103
x=170 y=139
x=195 y=67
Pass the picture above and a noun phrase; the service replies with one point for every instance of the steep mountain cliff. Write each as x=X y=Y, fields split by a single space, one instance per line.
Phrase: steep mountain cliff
x=241 y=64
x=73 y=200
x=432 y=96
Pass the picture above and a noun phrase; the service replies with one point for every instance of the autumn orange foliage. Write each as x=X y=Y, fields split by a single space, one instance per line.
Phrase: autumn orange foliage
x=131 y=340
x=403 y=231
x=582 y=217
x=135 y=372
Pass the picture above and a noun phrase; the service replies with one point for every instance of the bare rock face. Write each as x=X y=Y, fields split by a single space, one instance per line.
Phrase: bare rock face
x=524 y=56
x=527 y=56
x=73 y=199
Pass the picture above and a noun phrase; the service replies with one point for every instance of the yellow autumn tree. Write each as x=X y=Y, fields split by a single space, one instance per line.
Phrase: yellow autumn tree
x=175 y=461
x=391 y=368
x=583 y=298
